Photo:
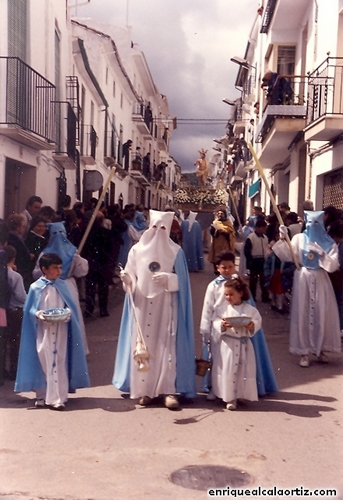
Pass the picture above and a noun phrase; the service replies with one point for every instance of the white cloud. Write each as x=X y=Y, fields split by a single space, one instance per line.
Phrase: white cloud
x=188 y=45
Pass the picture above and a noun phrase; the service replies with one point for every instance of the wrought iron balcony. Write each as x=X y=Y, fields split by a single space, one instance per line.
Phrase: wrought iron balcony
x=142 y=115
x=27 y=109
x=89 y=141
x=288 y=106
x=325 y=101
x=67 y=126
x=140 y=171
x=110 y=156
x=282 y=122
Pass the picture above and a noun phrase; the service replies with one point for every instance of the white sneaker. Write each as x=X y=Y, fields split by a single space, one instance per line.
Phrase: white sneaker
x=304 y=361
x=232 y=405
x=39 y=403
x=171 y=402
x=211 y=396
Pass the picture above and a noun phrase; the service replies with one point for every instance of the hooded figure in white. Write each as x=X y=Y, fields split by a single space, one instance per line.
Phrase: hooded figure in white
x=156 y=275
x=314 y=325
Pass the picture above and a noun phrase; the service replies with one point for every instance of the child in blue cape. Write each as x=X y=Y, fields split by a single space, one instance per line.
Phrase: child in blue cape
x=52 y=359
x=214 y=299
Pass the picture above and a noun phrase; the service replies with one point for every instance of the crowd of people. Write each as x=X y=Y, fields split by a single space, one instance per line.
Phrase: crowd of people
x=153 y=253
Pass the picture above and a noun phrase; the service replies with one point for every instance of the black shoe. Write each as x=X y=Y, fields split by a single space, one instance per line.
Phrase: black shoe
x=273 y=308
x=104 y=314
x=265 y=301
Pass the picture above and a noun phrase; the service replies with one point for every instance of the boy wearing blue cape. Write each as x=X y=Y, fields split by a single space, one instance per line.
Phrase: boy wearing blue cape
x=52 y=360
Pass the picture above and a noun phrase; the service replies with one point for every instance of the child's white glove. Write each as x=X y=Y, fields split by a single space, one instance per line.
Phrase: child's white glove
x=314 y=247
x=161 y=278
x=283 y=231
x=125 y=277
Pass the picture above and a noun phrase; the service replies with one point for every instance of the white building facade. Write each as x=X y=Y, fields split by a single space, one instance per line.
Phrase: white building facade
x=74 y=93
x=298 y=139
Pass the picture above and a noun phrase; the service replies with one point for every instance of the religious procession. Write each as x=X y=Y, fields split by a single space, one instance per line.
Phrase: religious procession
x=57 y=269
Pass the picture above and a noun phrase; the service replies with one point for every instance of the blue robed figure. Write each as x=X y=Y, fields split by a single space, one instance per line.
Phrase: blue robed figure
x=158 y=303
x=192 y=243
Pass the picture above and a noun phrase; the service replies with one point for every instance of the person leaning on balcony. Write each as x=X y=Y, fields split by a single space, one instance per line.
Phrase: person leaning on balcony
x=278 y=88
x=127 y=146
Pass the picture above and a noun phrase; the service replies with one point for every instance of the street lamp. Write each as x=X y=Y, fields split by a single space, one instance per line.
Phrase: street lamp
x=242 y=62
x=231 y=103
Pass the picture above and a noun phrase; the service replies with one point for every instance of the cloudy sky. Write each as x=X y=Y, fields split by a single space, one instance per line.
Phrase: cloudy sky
x=188 y=45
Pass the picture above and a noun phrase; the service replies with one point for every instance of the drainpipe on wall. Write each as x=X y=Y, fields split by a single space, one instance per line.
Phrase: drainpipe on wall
x=315 y=31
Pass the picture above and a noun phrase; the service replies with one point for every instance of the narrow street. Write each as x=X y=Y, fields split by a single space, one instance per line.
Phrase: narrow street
x=106 y=447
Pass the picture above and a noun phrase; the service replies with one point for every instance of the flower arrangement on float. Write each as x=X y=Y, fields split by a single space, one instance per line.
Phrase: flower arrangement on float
x=199 y=198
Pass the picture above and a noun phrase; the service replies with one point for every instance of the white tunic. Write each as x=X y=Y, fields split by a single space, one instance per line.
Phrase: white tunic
x=52 y=339
x=233 y=357
x=314 y=314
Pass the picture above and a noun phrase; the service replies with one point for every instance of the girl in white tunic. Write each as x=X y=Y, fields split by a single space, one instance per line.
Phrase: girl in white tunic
x=233 y=357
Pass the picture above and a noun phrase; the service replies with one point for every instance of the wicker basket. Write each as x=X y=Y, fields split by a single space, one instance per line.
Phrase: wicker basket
x=201 y=367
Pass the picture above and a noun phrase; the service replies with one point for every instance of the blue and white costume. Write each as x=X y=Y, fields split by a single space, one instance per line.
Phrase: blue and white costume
x=73 y=266
x=192 y=243
x=164 y=311
x=51 y=351
x=314 y=324
x=215 y=299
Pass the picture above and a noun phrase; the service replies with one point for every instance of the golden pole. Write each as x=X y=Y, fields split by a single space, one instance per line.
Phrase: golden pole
x=272 y=199
x=95 y=211
x=234 y=205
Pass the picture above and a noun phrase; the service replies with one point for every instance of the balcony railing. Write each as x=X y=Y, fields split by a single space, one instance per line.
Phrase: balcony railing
x=325 y=90
x=27 y=100
x=110 y=156
x=142 y=114
x=67 y=124
x=88 y=144
x=291 y=104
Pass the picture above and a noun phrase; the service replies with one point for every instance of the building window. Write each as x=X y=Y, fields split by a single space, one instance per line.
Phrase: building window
x=121 y=100
x=92 y=114
x=286 y=59
x=106 y=76
x=114 y=89
x=17 y=28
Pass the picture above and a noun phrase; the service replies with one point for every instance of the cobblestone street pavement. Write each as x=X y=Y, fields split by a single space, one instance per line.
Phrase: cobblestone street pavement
x=106 y=447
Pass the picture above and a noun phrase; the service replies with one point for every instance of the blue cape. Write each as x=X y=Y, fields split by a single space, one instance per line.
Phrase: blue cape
x=60 y=245
x=30 y=376
x=315 y=232
x=265 y=377
x=185 y=354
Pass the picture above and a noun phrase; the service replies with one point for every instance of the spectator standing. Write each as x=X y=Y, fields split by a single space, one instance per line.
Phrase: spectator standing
x=24 y=259
x=335 y=230
x=33 y=206
x=35 y=239
x=17 y=297
x=4 y=296
x=255 y=250
x=97 y=251
x=292 y=223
